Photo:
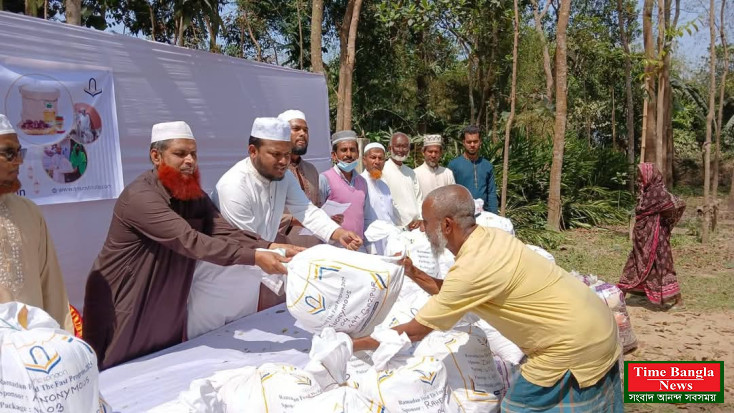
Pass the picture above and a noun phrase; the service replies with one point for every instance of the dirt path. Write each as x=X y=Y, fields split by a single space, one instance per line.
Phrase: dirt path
x=685 y=335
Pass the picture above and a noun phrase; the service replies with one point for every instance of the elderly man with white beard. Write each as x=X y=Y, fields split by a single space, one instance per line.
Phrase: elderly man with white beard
x=567 y=333
x=403 y=184
x=380 y=198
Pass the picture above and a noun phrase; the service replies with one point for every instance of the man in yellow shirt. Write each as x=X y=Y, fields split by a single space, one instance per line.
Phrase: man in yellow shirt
x=567 y=333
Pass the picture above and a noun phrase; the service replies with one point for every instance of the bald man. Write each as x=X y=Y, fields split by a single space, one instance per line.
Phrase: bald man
x=567 y=333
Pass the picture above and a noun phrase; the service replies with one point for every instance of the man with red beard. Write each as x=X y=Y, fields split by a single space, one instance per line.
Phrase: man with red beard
x=29 y=268
x=135 y=301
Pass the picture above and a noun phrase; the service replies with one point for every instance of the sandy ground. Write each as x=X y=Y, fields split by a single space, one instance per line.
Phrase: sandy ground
x=685 y=336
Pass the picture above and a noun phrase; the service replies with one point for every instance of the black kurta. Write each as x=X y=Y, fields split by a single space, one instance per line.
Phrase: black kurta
x=135 y=300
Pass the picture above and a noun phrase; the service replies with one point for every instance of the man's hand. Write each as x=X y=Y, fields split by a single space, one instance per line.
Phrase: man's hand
x=271 y=262
x=290 y=250
x=338 y=218
x=347 y=239
x=409 y=268
x=416 y=223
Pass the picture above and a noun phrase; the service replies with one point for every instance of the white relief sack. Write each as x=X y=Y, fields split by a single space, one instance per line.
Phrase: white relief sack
x=473 y=380
x=272 y=387
x=349 y=291
x=401 y=382
x=490 y=220
x=545 y=254
x=44 y=368
x=342 y=399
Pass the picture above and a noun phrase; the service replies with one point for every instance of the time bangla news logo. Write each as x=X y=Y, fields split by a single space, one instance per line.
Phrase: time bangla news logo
x=674 y=382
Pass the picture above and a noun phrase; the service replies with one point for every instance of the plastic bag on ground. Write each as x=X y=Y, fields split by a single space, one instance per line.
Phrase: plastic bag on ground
x=44 y=368
x=473 y=380
x=401 y=382
x=349 y=291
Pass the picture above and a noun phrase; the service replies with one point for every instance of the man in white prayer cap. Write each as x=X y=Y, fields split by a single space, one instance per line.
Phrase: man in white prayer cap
x=341 y=184
x=29 y=269
x=306 y=174
x=380 y=199
x=406 y=192
x=252 y=195
x=430 y=174
x=162 y=223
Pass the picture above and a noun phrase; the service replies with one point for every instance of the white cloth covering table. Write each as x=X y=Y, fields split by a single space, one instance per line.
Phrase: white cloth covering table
x=150 y=381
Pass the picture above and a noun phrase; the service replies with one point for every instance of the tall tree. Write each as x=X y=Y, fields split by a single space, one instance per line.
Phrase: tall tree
x=317 y=18
x=649 y=151
x=559 y=135
x=709 y=125
x=73 y=12
x=720 y=117
x=538 y=16
x=513 y=97
x=624 y=17
x=347 y=57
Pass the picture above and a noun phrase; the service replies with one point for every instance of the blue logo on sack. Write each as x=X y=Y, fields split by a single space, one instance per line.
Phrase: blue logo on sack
x=42 y=362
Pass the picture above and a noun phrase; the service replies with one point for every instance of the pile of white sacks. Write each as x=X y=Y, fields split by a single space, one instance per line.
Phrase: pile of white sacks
x=338 y=294
x=44 y=368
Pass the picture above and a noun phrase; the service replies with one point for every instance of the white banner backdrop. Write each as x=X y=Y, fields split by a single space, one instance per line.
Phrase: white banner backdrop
x=65 y=115
x=218 y=96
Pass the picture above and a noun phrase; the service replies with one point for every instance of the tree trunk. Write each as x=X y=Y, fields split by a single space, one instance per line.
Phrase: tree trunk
x=720 y=117
x=347 y=32
x=300 y=35
x=538 y=17
x=650 y=68
x=258 y=49
x=495 y=115
x=614 y=123
x=73 y=12
x=621 y=16
x=731 y=192
x=31 y=8
x=660 y=125
x=559 y=138
x=511 y=117
x=180 y=32
x=669 y=154
x=317 y=18
x=709 y=125
x=152 y=21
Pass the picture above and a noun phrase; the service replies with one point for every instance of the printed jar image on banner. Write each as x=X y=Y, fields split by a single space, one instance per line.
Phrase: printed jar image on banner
x=349 y=291
x=40 y=107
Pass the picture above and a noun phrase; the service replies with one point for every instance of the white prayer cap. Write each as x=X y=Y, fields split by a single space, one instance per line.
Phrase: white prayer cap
x=291 y=114
x=5 y=126
x=171 y=130
x=272 y=129
x=345 y=135
x=374 y=145
x=429 y=140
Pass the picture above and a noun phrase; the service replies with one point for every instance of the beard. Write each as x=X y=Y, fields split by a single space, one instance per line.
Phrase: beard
x=299 y=150
x=183 y=187
x=10 y=188
x=375 y=174
x=438 y=247
x=399 y=158
x=432 y=164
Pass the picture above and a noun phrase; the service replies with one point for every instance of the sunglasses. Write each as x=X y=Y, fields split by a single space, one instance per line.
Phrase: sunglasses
x=12 y=154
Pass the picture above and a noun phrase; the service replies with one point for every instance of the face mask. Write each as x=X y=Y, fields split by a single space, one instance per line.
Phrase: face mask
x=347 y=166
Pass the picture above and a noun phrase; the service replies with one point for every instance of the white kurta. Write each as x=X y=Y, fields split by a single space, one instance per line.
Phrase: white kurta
x=381 y=206
x=405 y=190
x=29 y=269
x=248 y=201
x=432 y=178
